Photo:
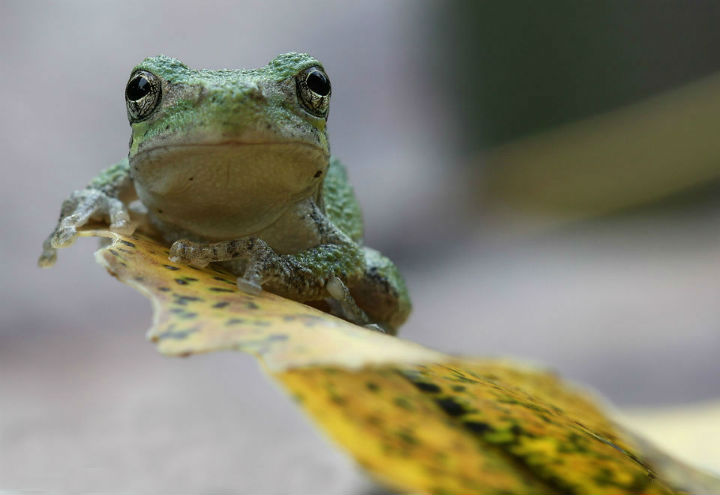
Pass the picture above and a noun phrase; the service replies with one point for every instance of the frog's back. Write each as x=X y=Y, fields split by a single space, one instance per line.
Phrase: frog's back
x=341 y=205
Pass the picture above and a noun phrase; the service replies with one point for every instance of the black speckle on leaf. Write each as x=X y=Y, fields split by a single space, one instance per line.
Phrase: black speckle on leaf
x=427 y=387
x=372 y=386
x=477 y=427
x=450 y=406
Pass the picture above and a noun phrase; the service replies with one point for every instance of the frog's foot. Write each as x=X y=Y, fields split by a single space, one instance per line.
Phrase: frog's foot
x=375 y=327
x=201 y=254
x=345 y=306
x=253 y=250
x=251 y=286
x=76 y=211
x=191 y=253
x=83 y=205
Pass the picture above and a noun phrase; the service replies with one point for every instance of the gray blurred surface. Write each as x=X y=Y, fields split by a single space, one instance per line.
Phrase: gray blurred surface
x=102 y=412
x=628 y=306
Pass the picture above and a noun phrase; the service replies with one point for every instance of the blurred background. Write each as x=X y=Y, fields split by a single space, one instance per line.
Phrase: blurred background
x=545 y=174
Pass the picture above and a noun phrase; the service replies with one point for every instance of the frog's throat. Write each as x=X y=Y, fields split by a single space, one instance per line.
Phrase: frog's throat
x=223 y=190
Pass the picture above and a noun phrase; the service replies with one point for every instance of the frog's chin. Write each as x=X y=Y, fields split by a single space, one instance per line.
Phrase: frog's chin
x=226 y=190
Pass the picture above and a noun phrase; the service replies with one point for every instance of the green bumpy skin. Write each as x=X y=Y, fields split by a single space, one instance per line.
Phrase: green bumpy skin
x=234 y=167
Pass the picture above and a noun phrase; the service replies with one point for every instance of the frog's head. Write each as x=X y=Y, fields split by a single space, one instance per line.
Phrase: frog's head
x=224 y=153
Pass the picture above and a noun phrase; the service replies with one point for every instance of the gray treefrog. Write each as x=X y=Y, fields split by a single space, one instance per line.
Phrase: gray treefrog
x=234 y=167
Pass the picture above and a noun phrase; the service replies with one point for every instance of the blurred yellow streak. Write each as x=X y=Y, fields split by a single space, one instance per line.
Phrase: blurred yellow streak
x=635 y=155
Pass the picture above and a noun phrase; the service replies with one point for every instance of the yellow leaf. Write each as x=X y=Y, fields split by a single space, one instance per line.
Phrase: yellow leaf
x=417 y=420
x=202 y=310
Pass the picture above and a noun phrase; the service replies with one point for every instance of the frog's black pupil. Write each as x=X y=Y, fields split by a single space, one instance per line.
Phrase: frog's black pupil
x=318 y=83
x=137 y=88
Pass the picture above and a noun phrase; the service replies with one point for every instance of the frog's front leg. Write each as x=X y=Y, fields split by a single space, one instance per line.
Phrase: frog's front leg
x=311 y=275
x=253 y=251
x=99 y=200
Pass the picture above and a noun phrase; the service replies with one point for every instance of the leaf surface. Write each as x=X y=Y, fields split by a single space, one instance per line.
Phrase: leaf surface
x=417 y=420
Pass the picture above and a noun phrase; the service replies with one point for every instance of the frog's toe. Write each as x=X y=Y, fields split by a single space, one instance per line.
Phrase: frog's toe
x=184 y=251
x=347 y=308
x=47 y=259
x=336 y=288
x=119 y=217
x=177 y=252
x=123 y=228
x=48 y=256
x=375 y=327
x=249 y=286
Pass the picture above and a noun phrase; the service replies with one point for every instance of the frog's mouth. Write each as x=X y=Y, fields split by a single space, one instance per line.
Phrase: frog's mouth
x=229 y=189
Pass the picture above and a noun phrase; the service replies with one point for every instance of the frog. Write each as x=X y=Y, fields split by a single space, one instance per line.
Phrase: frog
x=233 y=168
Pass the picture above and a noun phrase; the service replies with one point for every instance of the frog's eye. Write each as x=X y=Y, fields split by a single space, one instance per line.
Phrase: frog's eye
x=142 y=95
x=313 y=88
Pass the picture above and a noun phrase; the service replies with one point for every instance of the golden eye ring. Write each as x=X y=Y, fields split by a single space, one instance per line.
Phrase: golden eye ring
x=313 y=88
x=142 y=95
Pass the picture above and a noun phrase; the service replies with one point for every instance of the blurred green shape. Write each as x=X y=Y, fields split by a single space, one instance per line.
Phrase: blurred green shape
x=514 y=68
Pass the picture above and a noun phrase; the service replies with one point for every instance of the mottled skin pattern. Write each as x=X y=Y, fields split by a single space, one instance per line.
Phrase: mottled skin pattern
x=234 y=167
